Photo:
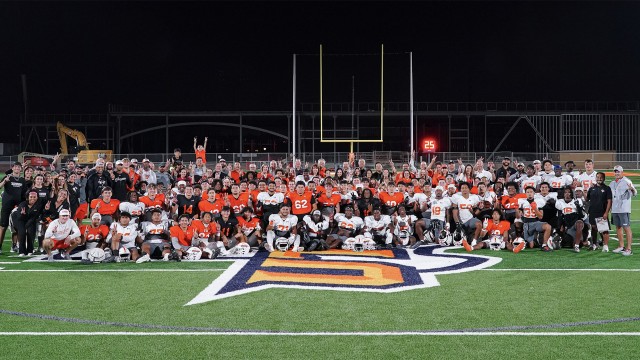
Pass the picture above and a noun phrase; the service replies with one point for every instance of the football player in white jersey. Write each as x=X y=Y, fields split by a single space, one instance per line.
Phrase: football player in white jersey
x=379 y=228
x=530 y=180
x=315 y=231
x=133 y=207
x=62 y=234
x=547 y=173
x=588 y=177
x=438 y=219
x=348 y=226
x=465 y=206
x=403 y=225
x=572 y=218
x=269 y=202
x=123 y=234
x=569 y=166
x=529 y=212
x=283 y=225
x=156 y=236
x=559 y=181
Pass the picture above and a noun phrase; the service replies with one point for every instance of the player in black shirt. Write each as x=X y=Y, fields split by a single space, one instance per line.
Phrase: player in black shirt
x=599 y=197
x=187 y=203
x=14 y=187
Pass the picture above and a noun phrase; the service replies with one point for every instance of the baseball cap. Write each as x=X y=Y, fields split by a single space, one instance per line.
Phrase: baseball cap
x=134 y=160
x=316 y=212
x=520 y=165
x=441 y=188
x=449 y=186
x=579 y=188
x=451 y=162
x=617 y=168
x=222 y=160
x=145 y=160
x=156 y=210
x=119 y=162
x=557 y=167
x=182 y=182
x=96 y=216
x=536 y=162
x=65 y=212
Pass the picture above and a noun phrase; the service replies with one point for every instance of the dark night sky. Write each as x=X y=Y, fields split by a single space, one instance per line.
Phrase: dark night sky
x=79 y=57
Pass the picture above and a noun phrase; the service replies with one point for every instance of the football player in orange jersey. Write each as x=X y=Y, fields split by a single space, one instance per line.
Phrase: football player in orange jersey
x=237 y=200
x=497 y=230
x=390 y=199
x=106 y=206
x=200 y=150
x=249 y=228
x=153 y=200
x=329 y=201
x=302 y=202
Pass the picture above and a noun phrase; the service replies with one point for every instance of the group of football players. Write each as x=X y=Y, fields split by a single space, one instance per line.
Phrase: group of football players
x=202 y=211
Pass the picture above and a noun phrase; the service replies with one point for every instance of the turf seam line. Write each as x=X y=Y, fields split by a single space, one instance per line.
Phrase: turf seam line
x=386 y=333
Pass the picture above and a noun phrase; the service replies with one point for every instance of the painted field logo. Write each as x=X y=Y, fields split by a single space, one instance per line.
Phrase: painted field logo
x=372 y=271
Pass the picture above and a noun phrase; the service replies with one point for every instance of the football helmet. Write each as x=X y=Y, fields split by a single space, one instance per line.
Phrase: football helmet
x=282 y=244
x=445 y=238
x=496 y=242
x=194 y=254
x=403 y=236
x=124 y=254
x=95 y=255
x=242 y=249
x=349 y=244
x=458 y=236
x=556 y=241
x=358 y=246
x=428 y=236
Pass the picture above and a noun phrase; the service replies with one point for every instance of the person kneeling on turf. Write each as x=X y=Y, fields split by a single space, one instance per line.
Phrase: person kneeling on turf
x=571 y=221
x=379 y=228
x=156 y=238
x=282 y=225
x=62 y=234
x=123 y=235
x=315 y=227
x=348 y=226
x=498 y=235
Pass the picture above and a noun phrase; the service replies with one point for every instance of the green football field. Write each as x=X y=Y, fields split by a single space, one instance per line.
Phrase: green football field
x=531 y=305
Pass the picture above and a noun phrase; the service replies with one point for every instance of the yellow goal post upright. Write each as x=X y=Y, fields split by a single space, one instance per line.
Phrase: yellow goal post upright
x=352 y=141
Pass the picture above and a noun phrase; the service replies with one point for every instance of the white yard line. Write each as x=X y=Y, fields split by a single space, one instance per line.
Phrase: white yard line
x=381 y=333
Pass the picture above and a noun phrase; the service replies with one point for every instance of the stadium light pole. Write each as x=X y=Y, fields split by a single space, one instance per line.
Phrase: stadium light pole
x=411 y=101
x=293 y=145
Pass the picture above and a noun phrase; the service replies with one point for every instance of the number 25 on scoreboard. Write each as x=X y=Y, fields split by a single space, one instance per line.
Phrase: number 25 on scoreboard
x=429 y=145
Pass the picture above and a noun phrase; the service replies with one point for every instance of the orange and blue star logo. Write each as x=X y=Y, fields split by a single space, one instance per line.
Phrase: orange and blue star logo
x=370 y=271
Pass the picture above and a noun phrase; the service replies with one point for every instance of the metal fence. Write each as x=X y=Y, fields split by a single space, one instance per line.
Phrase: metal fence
x=602 y=160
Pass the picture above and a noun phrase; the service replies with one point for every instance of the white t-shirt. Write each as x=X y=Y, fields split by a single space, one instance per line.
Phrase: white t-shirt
x=58 y=231
x=353 y=224
x=377 y=226
x=283 y=225
x=465 y=206
x=439 y=208
x=587 y=180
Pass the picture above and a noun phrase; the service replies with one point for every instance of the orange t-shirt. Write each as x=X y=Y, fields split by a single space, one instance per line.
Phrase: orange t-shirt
x=94 y=234
x=238 y=204
x=104 y=208
x=157 y=202
x=391 y=200
x=511 y=202
x=202 y=154
x=184 y=237
x=203 y=231
x=206 y=206
x=499 y=228
x=301 y=204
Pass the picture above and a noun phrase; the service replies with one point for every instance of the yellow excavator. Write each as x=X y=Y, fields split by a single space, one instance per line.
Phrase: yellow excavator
x=85 y=156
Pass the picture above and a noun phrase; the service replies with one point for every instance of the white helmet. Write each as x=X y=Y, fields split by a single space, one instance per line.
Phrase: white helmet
x=124 y=254
x=445 y=238
x=95 y=255
x=428 y=236
x=458 y=236
x=243 y=249
x=496 y=242
x=194 y=254
x=282 y=244
x=349 y=244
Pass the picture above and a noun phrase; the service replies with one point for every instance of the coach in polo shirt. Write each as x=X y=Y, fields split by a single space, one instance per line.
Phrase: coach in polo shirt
x=622 y=190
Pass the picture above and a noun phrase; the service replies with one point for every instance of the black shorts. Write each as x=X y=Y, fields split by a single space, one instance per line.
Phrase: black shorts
x=7 y=206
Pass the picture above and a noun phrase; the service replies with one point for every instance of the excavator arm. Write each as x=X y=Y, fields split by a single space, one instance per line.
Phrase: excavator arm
x=78 y=136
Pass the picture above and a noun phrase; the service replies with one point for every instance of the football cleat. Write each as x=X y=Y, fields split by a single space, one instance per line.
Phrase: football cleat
x=144 y=258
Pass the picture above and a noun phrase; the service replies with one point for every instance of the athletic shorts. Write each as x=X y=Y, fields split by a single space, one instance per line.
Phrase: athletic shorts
x=81 y=212
x=621 y=219
x=531 y=228
x=470 y=225
x=60 y=245
x=156 y=248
